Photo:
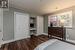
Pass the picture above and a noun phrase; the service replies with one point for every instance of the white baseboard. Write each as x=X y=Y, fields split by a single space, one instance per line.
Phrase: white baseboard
x=9 y=41
x=42 y=34
x=45 y=33
x=22 y=38
x=73 y=41
x=37 y=34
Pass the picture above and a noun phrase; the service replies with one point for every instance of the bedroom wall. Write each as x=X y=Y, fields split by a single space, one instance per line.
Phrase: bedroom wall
x=70 y=32
x=45 y=24
x=8 y=23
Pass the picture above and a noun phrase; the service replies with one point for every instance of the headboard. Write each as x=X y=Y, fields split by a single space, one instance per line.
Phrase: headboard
x=59 y=32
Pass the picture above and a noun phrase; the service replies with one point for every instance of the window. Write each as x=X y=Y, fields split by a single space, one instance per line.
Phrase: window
x=61 y=19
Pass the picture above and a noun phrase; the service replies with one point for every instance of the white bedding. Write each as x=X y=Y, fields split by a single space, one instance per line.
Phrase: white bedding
x=55 y=45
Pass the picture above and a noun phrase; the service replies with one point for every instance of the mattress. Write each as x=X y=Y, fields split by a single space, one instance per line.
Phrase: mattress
x=55 y=45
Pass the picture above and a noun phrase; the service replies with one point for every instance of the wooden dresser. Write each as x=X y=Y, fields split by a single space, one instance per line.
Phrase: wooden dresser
x=59 y=32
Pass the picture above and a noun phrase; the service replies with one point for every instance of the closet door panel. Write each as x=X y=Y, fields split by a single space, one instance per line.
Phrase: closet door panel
x=39 y=25
x=21 y=25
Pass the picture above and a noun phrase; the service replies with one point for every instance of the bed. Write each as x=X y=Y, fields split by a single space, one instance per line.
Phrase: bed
x=54 y=44
x=58 y=41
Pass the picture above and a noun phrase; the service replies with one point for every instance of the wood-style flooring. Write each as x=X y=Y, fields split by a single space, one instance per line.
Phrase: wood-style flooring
x=25 y=44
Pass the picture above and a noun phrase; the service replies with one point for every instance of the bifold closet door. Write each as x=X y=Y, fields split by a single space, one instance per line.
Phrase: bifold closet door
x=40 y=25
x=21 y=25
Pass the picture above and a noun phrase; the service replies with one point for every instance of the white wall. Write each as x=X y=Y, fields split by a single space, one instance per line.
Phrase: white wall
x=8 y=25
x=46 y=24
x=70 y=32
x=1 y=25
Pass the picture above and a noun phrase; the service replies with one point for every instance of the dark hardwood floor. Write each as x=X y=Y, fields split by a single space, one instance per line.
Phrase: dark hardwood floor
x=25 y=44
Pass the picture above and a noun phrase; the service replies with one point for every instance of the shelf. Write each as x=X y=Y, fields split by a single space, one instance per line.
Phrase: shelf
x=32 y=18
x=32 y=22
x=33 y=29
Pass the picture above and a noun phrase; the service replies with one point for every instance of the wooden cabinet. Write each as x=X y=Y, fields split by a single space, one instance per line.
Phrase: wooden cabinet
x=59 y=32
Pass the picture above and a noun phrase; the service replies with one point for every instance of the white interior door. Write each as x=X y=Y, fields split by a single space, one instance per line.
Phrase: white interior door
x=21 y=25
x=39 y=25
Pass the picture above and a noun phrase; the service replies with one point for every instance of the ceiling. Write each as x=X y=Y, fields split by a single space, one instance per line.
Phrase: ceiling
x=41 y=7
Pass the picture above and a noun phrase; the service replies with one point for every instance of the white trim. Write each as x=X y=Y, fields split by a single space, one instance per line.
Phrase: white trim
x=45 y=33
x=73 y=41
x=37 y=34
x=41 y=34
x=56 y=37
x=9 y=41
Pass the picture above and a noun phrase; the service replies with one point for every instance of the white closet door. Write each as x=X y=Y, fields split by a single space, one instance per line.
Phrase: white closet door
x=39 y=25
x=21 y=25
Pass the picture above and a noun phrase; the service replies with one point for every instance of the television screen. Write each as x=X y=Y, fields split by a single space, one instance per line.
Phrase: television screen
x=31 y=25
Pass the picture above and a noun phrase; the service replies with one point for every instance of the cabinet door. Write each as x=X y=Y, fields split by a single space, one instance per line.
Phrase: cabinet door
x=21 y=25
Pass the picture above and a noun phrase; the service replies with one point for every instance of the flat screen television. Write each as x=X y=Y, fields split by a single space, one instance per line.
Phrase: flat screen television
x=32 y=25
